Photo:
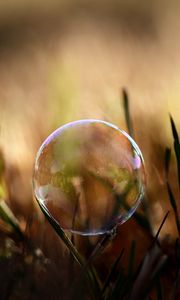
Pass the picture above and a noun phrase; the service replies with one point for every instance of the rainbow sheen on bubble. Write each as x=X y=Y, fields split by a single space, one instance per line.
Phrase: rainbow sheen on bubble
x=89 y=176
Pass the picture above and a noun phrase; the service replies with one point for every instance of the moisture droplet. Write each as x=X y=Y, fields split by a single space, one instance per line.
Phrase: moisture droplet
x=89 y=176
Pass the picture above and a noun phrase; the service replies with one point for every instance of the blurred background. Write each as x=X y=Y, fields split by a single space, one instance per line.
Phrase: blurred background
x=65 y=60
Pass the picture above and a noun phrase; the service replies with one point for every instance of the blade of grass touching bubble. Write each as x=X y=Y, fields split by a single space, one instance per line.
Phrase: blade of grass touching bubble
x=100 y=245
x=176 y=146
x=74 y=252
x=141 y=220
x=78 y=283
x=127 y=112
x=63 y=236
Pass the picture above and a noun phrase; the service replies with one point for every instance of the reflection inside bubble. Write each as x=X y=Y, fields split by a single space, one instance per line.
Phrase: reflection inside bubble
x=89 y=176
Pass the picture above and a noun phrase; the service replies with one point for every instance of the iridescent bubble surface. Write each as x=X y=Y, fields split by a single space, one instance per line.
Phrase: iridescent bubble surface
x=89 y=176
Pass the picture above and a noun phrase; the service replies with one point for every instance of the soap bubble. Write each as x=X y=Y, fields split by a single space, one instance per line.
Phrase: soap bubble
x=89 y=176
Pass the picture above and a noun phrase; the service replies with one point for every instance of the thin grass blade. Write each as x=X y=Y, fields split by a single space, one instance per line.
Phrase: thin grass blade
x=176 y=146
x=112 y=272
x=174 y=206
x=167 y=159
x=160 y=227
x=159 y=290
x=74 y=252
x=170 y=193
x=119 y=286
x=7 y=216
x=127 y=112
x=177 y=251
x=149 y=268
x=140 y=218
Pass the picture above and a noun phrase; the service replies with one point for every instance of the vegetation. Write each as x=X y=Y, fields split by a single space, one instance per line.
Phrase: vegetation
x=88 y=268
